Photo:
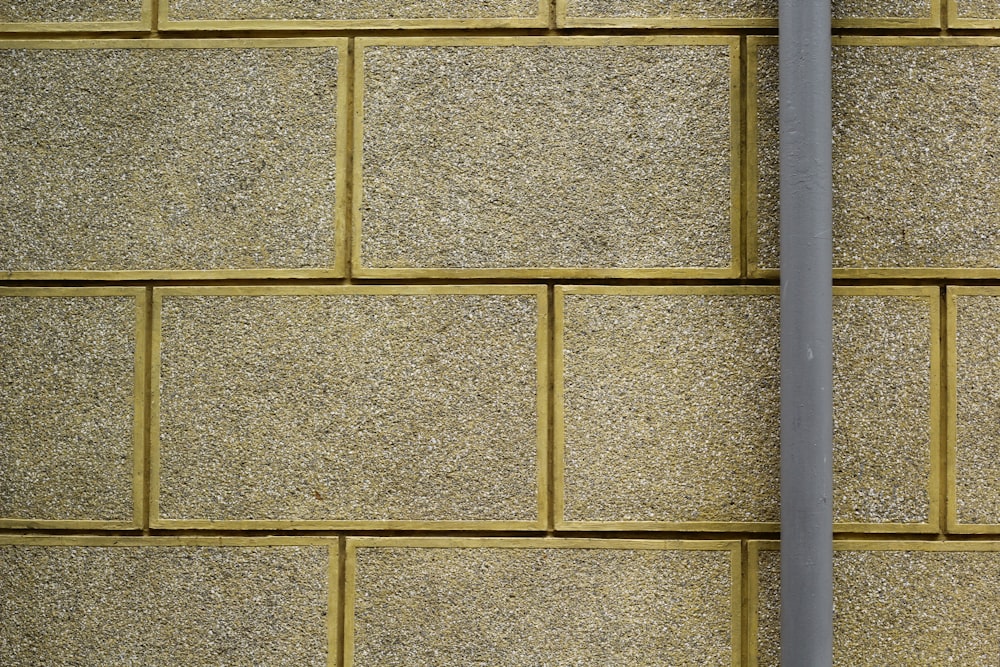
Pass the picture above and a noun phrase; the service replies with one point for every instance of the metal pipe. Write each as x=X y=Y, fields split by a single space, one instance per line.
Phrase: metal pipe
x=806 y=334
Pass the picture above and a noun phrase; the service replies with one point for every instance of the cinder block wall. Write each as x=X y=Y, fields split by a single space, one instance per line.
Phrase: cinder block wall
x=445 y=333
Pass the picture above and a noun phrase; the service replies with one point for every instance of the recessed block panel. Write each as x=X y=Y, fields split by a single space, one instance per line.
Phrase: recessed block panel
x=977 y=9
x=429 y=11
x=166 y=159
x=350 y=406
x=976 y=430
x=915 y=173
x=905 y=605
x=73 y=11
x=175 y=606
x=546 y=155
x=67 y=407
x=652 y=12
x=670 y=405
x=540 y=606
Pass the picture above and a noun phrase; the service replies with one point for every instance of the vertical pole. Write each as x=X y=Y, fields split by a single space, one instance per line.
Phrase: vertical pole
x=806 y=332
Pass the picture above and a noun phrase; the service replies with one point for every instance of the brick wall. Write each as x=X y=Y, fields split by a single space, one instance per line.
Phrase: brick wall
x=445 y=333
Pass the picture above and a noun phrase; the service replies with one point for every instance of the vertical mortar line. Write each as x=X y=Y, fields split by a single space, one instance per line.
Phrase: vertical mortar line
x=944 y=405
x=744 y=647
x=550 y=383
x=341 y=598
x=744 y=112
x=147 y=427
x=943 y=7
x=347 y=207
x=154 y=18
x=553 y=16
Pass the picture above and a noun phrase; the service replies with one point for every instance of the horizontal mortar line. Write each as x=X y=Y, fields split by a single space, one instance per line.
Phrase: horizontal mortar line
x=954 y=538
x=481 y=281
x=448 y=32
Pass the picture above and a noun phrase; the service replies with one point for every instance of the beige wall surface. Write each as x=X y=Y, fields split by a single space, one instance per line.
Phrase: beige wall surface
x=437 y=332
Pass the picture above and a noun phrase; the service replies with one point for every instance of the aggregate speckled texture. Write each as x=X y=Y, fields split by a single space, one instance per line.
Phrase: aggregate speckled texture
x=175 y=606
x=546 y=156
x=167 y=159
x=67 y=372
x=72 y=11
x=353 y=407
x=514 y=606
x=351 y=9
x=914 y=161
x=978 y=9
x=977 y=430
x=738 y=9
x=918 y=608
x=671 y=407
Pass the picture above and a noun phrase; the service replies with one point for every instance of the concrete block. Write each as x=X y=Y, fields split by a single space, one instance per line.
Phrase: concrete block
x=974 y=13
x=667 y=407
x=722 y=13
x=896 y=603
x=71 y=408
x=171 y=602
x=527 y=602
x=974 y=433
x=49 y=15
x=349 y=406
x=547 y=157
x=916 y=191
x=127 y=158
x=307 y=14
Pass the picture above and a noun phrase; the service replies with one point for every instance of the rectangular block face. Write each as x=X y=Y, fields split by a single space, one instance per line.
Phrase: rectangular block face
x=483 y=605
x=351 y=406
x=68 y=405
x=975 y=452
x=425 y=12
x=670 y=405
x=183 y=606
x=651 y=12
x=546 y=156
x=168 y=159
x=71 y=12
x=977 y=9
x=909 y=604
x=915 y=180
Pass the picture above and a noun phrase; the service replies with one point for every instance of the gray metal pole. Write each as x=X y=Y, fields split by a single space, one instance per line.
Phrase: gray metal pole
x=806 y=332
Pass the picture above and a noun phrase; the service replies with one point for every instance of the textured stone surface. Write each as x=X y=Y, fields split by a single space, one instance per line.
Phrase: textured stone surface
x=546 y=156
x=977 y=430
x=72 y=11
x=355 y=407
x=150 y=159
x=977 y=9
x=915 y=164
x=899 y=608
x=163 y=606
x=738 y=9
x=671 y=408
x=351 y=9
x=67 y=378
x=514 y=606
